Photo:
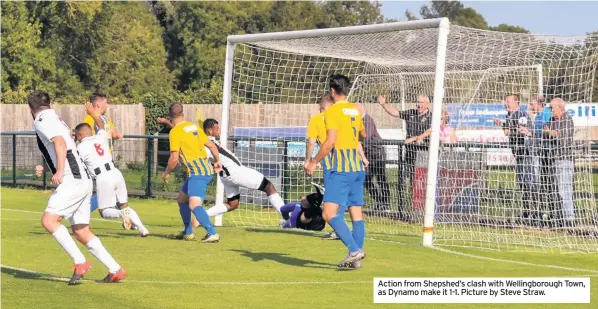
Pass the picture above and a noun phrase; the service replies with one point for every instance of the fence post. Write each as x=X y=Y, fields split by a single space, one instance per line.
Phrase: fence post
x=149 y=155
x=155 y=156
x=14 y=159
x=285 y=170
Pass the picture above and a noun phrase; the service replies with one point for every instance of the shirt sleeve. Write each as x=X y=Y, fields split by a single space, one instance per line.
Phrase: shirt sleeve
x=331 y=119
x=312 y=129
x=175 y=140
x=50 y=127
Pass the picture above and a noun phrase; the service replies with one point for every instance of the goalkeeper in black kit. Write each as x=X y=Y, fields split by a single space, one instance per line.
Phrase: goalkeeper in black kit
x=305 y=214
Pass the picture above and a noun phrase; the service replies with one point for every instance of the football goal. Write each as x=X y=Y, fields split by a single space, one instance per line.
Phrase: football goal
x=461 y=186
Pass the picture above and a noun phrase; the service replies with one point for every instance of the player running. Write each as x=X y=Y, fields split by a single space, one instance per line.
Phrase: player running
x=344 y=185
x=187 y=142
x=71 y=198
x=100 y=103
x=235 y=175
x=110 y=184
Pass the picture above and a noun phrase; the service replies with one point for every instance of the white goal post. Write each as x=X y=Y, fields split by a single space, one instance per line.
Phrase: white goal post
x=272 y=82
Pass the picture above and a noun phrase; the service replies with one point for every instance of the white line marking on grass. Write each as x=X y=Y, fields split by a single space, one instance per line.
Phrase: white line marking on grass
x=39 y=213
x=63 y=279
x=480 y=257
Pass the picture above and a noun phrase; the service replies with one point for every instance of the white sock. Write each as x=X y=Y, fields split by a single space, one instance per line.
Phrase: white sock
x=276 y=201
x=110 y=213
x=67 y=243
x=97 y=249
x=217 y=210
x=135 y=219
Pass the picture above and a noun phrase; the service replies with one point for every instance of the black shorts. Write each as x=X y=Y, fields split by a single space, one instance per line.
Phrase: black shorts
x=317 y=223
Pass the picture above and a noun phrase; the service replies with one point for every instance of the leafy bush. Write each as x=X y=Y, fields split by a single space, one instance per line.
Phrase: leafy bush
x=136 y=166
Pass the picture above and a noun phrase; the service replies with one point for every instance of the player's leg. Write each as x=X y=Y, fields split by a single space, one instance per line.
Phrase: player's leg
x=185 y=212
x=57 y=208
x=332 y=235
x=356 y=202
x=253 y=179
x=335 y=199
x=197 y=192
x=106 y=196
x=232 y=193
x=122 y=197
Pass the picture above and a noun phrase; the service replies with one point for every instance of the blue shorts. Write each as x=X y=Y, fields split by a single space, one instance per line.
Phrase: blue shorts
x=344 y=189
x=326 y=175
x=196 y=186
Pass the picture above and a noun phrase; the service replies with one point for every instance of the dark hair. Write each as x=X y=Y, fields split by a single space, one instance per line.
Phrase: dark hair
x=175 y=110
x=38 y=99
x=512 y=95
x=81 y=126
x=340 y=84
x=97 y=95
x=209 y=123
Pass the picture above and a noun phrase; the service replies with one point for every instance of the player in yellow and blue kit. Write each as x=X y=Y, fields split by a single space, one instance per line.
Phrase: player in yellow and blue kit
x=344 y=184
x=100 y=103
x=316 y=134
x=187 y=141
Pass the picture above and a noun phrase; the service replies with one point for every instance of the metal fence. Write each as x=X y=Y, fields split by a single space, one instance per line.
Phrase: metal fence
x=142 y=158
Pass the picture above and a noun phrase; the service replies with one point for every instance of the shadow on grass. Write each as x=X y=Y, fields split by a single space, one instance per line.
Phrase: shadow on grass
x=30 y=275
x=283 y=258
x=299 y=232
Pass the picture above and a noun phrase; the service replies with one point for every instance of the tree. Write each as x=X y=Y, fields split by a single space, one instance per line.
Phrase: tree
x=509 y=28
x=129 y=57
x=410 y=15
x=26 y=64
x=456 y=12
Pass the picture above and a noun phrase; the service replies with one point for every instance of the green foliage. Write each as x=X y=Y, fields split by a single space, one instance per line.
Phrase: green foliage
x=509 y=28
x=136 y=166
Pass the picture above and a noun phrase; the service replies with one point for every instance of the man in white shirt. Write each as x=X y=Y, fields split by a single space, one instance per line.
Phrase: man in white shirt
x=71 y=199
x=110 y=184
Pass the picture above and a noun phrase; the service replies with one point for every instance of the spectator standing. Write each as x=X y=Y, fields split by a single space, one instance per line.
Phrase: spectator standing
x=419 y=122
x=559 y=133
x=376 y=155
x=516 y=127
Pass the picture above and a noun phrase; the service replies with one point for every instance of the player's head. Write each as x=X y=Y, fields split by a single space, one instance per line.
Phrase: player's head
x=175 y=110
x=99 y=101
x=325 y=102
x=211 y=127
x=38 y=101
x=339 y=87
x=82 y=131
x=511 y=102
x=423 y=103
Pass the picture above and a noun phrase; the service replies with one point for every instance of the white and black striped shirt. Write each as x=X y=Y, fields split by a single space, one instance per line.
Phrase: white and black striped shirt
x=48 y=125
x=227 y=158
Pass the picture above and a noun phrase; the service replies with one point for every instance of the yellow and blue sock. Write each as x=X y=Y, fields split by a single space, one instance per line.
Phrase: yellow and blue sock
x=94 y=203
x=342 y=231
x=359 y=233
x=185 y=212
x=203 y=218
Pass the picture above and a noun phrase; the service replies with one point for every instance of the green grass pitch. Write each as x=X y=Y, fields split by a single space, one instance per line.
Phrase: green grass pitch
x=249 y=268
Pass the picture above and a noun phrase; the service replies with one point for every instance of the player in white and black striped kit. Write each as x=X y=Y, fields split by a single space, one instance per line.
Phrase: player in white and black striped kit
x=71 y=199
x=235 y=175
x=111 y=188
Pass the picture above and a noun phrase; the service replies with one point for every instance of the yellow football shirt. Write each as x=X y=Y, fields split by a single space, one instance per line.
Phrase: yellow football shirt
x=189 y=140
x=346 y=120
x=108 y=127
x=316 y=129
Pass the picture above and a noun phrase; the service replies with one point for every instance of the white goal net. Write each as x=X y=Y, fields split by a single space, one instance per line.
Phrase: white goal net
x=525 y=191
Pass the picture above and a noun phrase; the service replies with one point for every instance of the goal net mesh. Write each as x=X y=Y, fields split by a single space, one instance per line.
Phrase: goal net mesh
x=542 y=200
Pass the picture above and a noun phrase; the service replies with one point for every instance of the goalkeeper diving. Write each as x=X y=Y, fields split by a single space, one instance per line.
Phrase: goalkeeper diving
x=305 y=214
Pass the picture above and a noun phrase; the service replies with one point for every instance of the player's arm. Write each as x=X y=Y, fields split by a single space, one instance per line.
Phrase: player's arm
x=214 y=151
x=115 y=133
x=326 y=146
x=165 y=121
x=312 y=135
x=389 y=109
x=91 y=111
x=362 y=155
x=60 y=147
x=420 y=138
x=173 y=160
